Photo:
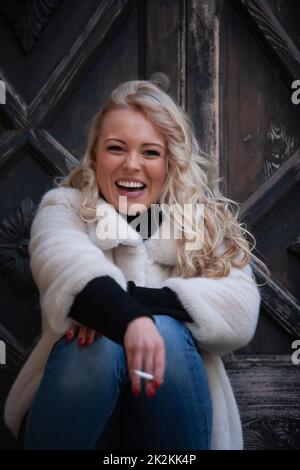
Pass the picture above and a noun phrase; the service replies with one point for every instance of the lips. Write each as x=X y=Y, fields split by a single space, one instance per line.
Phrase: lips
x=131 y=192
x=133 y=188
x=129 y=180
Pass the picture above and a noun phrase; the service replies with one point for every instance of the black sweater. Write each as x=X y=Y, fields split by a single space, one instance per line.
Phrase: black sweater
x=103 y=305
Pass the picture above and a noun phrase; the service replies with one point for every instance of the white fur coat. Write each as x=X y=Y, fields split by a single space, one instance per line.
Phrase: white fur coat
x=66 y=253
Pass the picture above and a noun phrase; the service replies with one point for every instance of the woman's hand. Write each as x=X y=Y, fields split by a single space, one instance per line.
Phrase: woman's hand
x=85 y=334
x=145 y=351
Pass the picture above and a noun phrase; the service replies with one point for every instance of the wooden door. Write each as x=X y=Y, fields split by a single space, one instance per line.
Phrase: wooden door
x=260 y=142
x=230 y=65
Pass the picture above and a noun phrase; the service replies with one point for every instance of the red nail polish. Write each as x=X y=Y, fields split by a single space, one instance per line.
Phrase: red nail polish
x=151 y=393
x=69 y=336
x=136 y=391
x=81 y=341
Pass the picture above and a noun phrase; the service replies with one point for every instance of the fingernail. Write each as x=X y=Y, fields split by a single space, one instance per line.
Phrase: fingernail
x=80 y=341
x=157 y=384
x=136 y=391
x=69 y=336
x=150 y=393
x=89 y=340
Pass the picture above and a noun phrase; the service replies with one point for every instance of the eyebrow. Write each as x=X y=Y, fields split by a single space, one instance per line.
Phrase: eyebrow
x=146 y=143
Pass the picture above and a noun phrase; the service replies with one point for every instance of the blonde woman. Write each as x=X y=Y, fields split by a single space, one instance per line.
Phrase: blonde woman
x=122 y=299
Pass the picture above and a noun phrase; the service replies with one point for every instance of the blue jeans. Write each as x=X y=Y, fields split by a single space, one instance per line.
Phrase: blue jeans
x=84 y=400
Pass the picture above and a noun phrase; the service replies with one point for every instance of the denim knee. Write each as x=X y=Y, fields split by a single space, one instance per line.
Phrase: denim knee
x=172 y=330
x=78 y=368
x=180 y=347
x=166 y=323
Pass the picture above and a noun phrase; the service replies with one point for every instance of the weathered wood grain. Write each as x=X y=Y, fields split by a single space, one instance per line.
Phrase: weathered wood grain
x=267 y=389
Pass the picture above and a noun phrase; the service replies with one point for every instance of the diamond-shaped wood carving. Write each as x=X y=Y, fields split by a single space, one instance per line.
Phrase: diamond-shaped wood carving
x=27 y=19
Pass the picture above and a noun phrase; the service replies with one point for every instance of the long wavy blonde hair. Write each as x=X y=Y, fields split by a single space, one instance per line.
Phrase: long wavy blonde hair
x=186 y=183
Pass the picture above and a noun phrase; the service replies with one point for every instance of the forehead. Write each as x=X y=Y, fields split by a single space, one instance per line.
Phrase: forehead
x=126 y=123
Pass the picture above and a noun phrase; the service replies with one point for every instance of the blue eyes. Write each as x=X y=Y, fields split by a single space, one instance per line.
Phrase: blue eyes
x=116 y=148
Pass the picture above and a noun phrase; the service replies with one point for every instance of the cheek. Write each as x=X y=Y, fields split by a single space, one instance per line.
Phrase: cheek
x=159 y=175
x=99 y=172
x=103 y=170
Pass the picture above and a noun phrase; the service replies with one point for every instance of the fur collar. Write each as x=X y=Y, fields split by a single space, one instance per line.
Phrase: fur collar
x=111 y=230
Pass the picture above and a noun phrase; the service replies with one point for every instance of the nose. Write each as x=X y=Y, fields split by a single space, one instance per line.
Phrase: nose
x=132 y=161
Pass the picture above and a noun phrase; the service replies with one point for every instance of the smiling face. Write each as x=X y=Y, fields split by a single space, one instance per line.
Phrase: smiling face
x=130 y=149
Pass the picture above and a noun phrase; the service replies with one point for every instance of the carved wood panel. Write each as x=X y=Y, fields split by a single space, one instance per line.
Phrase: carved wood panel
x=230 y=65
x=260 y=163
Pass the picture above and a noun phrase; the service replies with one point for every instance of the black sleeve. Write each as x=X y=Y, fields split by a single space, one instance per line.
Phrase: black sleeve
x=106 y=307
x=162 y=301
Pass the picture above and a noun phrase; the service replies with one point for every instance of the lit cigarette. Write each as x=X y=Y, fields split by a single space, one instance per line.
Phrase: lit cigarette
x=144 y=375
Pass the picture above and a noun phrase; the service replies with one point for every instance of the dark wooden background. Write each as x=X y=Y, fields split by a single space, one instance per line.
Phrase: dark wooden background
x=230 y=64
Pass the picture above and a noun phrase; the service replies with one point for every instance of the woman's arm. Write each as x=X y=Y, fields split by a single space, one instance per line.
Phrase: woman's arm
x=104 y=306
x=225 y=311
x=161 y=301
x=62 y=257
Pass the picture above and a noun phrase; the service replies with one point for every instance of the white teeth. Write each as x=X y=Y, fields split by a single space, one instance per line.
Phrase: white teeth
x=130 y=184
